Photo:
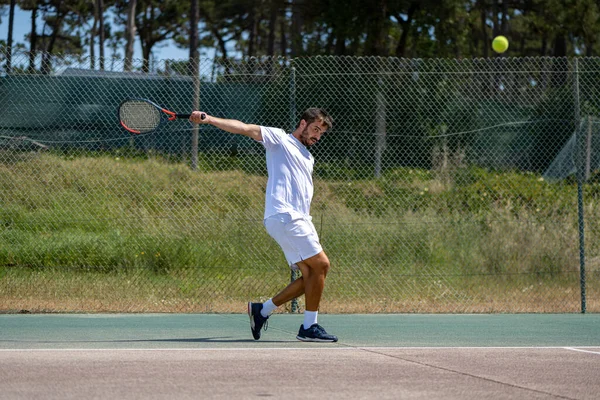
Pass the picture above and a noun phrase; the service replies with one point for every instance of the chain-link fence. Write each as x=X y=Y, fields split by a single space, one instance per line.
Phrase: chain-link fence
x=444 y=186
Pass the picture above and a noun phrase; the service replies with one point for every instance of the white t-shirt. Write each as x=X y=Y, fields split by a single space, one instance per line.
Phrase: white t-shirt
x=290 y=167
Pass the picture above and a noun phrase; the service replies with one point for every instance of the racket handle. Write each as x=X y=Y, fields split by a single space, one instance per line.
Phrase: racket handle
x=202 y=116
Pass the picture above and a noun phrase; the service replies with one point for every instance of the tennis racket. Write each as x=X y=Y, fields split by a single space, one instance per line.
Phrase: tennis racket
x=143 y=116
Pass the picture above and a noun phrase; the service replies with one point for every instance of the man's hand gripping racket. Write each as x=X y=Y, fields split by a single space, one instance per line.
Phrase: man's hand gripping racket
x=199 y=117
x=140 y=116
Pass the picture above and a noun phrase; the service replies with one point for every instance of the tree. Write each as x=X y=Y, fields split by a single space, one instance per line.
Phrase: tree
x=101 y=31
x=405 y=23
x=194 y=38
x=297 y=11
x=275 y=7
x=115 y=43
x=54 y=12
x=130 y=32
x=218 y=26
x=158 y=22
x=31 y=5
x=378 y=25
x=9 y=41
x=587 y=32
x=401 y=28
x=340 y=18
x=481 y=5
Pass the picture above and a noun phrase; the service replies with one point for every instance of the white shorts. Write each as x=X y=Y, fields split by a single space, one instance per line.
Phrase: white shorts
x=297 y=237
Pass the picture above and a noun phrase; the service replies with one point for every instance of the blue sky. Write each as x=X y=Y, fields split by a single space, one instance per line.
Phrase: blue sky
x=22 y=26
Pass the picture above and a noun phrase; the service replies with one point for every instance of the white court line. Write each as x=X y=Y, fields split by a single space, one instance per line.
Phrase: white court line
x=582 y=351
x=317 y=347
x=194 y=349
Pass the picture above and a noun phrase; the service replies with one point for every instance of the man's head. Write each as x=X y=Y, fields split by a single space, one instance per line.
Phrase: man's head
x=314 y=123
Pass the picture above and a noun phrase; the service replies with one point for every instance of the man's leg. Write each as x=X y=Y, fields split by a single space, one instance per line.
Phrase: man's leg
x=311 y=284
x=259 y=313
x=293 y=290
x=314 y=271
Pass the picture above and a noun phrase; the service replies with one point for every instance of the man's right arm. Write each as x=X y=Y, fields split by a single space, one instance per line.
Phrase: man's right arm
x=229 y=125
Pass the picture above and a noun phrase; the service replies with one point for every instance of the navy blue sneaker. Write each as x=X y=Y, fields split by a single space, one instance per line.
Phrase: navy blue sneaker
x=257 y=321
x=315 y=333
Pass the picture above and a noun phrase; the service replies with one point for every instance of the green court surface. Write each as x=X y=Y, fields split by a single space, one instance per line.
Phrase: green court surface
x=191 y=356
x=232 y=330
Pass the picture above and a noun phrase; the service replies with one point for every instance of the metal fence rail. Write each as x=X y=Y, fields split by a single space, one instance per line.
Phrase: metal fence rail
x=445 y=185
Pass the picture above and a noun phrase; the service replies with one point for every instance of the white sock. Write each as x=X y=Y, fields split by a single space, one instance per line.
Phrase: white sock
x=268 y=308
x=310 y=318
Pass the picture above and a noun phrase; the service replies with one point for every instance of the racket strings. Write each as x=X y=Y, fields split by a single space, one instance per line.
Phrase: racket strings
x=139 y=116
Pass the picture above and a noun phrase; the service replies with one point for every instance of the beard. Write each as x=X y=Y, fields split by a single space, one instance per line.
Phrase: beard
x=305 y=138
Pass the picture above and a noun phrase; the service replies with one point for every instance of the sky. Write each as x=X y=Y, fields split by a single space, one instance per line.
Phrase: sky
x=22 y=27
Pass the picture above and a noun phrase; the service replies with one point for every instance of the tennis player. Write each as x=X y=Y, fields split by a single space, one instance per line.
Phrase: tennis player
x=287 y=213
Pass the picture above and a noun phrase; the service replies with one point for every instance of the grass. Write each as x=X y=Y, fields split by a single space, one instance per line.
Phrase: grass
x=103 y=232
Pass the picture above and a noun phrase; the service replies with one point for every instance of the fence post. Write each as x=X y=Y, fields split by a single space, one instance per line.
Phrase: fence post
x=581 y=244
x=292 y=99
x=380 y=122
x=580 y=165
x=195 y=72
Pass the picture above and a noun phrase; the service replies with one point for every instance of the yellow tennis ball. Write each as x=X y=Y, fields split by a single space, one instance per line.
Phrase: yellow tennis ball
x=500 y=44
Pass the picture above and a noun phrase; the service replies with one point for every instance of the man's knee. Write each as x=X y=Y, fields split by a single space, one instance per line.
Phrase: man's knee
x=319 y=263
x=322 y=267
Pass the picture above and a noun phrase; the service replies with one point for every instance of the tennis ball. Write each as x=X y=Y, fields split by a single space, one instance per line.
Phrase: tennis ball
x=500 y=44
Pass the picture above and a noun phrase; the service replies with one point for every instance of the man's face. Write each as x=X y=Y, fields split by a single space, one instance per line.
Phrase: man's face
x=312 y=133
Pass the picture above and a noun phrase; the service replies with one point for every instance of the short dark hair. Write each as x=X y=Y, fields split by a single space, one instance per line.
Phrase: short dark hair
x=316 y=114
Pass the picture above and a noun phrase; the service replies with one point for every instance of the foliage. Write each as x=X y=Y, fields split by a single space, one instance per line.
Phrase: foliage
x=199 y=228
x=405 y=28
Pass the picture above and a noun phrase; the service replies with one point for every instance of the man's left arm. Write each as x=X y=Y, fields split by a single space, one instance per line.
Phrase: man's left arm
x=228 y=125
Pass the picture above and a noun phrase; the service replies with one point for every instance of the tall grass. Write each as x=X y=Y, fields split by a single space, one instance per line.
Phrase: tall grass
x=105 y=233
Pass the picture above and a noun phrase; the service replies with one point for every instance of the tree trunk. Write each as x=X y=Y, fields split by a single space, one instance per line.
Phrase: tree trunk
x=100 y=8
x=504 y=20
x=93 y=38
x=130 y=32
x=377 y=30
x=297 y=24
x=495 y=28
x=340 y=40
x=11 y=20
x=405 y=24
x=283 y=42
x=253 y=31
x=560 y=45
x=589 y=49
x=146 y=40
x=272 y=28
x=544 y=45
x=46 y=60
x=560 y=76
x=33 y=39
x=194 y=38
x=484 y=35
x=146 y=52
